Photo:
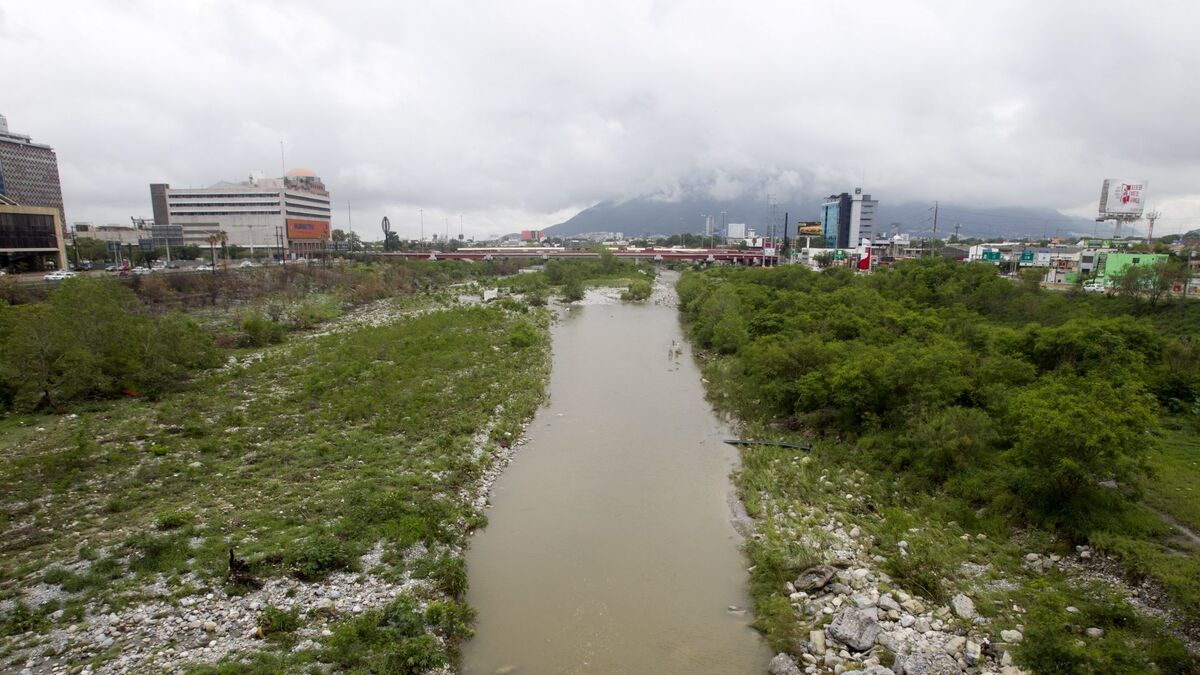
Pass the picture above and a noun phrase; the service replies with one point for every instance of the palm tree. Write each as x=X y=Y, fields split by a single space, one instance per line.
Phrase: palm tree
x=218 y=237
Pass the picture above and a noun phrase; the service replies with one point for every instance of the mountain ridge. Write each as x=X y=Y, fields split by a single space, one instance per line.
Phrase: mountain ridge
x=650 y=216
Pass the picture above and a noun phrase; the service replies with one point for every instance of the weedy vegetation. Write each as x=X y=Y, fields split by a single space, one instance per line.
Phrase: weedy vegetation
x=975 y=419
x=302 y=452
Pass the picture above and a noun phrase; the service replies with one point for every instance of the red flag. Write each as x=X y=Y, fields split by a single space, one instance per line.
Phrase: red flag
x=864 y=263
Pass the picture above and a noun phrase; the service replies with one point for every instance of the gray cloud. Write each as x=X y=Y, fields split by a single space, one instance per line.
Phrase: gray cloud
x=515 y=114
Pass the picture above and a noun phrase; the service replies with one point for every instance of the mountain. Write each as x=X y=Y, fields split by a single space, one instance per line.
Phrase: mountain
x=655 y=216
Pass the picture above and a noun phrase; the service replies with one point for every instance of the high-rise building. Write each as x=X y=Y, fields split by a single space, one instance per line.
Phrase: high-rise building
x=31 y=238
x=260 y=213
x=29 y=172
x=848 y=219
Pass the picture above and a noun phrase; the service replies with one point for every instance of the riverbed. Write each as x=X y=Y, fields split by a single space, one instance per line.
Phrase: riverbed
x=610 y=546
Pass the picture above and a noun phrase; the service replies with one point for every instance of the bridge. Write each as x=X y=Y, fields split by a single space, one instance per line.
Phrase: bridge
x=749 y=256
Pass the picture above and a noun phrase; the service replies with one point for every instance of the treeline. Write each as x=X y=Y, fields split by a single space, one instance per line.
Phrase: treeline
x=99 y=337
x=997 y=393
x=89 y=340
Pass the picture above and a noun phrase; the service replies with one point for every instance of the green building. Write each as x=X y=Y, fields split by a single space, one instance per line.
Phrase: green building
x=1111 y=263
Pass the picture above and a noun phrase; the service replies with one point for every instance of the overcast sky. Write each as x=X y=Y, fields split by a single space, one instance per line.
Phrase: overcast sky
x=518 y=114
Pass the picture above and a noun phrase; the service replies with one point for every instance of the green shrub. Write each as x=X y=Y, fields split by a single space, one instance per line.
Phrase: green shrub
x=152 y=553
x=258 y=331
x=314 y=558
x=89 y=340
x=172 y=519
x=447 y=572
x=413 y=656
x=455 y=620
x=573 y=289
x=522 y=335
x=639 y=289
x=21 y=619
x=274 y=621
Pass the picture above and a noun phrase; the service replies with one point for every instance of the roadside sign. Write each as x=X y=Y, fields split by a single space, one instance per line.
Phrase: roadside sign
x=1026 y=256
x=839 y=254
x=993 y=255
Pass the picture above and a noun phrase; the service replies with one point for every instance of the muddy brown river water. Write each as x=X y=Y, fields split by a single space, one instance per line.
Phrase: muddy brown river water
x=610 y=547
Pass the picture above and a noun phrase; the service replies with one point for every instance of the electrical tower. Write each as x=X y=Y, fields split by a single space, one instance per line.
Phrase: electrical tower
x=1152 y=216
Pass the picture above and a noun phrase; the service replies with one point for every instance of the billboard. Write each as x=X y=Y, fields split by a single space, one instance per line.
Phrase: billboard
x=316 y=230
x=1122 y=198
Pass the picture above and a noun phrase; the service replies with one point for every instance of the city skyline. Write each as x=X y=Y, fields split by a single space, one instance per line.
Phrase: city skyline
x=518 y=117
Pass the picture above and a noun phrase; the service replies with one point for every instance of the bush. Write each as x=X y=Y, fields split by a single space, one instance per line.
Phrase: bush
x=275 y=621
x=573 y=290
x=258 y=331
x=89 y=340
x=158 y=553
x=314 y=558
x=412 y=656
x=172 y=520
x=454 y=619
x=639 y=289
x=447 y=572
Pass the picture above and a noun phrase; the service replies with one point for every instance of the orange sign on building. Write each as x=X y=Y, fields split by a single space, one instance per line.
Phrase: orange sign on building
x=298 y=228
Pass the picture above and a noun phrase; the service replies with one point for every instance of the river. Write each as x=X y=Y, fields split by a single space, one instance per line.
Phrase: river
x=610 y=547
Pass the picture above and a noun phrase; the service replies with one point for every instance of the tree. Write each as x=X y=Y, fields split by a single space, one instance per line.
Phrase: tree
x=1151 y=283
x=1070 y=433
x=573 y=289
x=1031 y=278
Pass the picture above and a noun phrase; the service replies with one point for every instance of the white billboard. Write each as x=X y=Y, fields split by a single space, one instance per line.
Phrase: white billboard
x=1122 y=198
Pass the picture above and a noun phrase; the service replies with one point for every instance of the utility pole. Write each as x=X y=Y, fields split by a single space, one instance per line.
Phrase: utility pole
x=422 y=224
x=956 y=227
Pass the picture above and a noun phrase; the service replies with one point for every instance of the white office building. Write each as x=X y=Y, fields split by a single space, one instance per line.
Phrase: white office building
x=263 y=214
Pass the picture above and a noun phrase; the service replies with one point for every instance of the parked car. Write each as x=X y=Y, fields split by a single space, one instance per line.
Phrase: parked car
x=1093 y=287
x=139 y=270
x=248 y=263
x=205 y=268
x=59 y=275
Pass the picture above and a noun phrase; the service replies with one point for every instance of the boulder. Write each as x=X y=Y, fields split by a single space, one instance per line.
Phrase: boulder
x=1011 y=635
x=854 y=628
x=963 y=607
x=973 y=653
x=783 y=664
x=931 y=664
x=887 y=604
x=814 y=578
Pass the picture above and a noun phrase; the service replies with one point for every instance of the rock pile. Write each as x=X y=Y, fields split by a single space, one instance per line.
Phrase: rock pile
x=862 y=624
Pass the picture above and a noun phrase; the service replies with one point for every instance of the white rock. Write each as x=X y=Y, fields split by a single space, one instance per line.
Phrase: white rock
x=1095 y=632
x=783 y=664
x=816 y=639
x=963 y=606
x=1011 y=636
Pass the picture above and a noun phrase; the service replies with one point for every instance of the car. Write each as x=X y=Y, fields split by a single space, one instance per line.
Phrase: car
x=59 y=275
x=204 y=268
x=139 y=270
x=173 y=265
x=110 y=268
x=1093 y=287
